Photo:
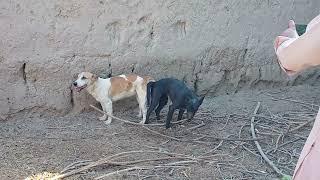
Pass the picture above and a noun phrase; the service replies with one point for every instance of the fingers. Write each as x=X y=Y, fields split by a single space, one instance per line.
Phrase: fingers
x=292 y=25
x=278 y=41
x=291 y=32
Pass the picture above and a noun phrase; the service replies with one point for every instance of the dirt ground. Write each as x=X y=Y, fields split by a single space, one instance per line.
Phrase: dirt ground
x=35 y=144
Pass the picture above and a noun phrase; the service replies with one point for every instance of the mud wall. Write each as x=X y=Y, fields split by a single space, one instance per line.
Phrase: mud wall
x=221 y=45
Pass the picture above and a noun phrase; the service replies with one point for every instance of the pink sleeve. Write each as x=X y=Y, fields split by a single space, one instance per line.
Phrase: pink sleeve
x=313 y=22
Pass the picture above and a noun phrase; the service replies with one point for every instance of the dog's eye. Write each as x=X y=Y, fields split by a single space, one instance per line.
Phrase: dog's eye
x=83 y=78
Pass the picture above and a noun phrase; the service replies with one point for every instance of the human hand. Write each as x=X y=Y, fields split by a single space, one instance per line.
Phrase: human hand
x=286 y=37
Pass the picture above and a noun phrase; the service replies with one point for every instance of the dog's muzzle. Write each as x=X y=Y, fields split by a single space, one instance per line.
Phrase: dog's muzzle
x=78 y=89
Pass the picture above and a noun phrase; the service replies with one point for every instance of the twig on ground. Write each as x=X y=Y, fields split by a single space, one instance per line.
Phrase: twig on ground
x=285 y=163
x=158 y=177
x=250 y=151
x=224 y=126
x=212 y=150
x=44 y=138
x=300 y=126
x=76 y=165
x=126 y=163
x=199 y=138
x=241 y=168
x=258 y=145
x=64 y=127
x=277 y=142
x=197 y=126
x=130 y=169
x=178 y=164
x=240 y=131
x=228 y=139
x=107 y=160
x=281 y=145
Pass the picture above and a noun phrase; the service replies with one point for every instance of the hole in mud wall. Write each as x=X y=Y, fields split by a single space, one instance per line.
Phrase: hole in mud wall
x=71 y=97
x=110 y=73
x=23 y=72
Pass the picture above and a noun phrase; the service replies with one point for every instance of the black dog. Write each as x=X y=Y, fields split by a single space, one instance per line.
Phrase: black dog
x=181 y=96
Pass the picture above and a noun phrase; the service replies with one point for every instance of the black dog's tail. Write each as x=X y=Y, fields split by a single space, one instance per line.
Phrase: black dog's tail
x=149 y=92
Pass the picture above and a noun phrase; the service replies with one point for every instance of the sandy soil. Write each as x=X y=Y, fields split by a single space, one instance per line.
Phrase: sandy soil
x=36 y=144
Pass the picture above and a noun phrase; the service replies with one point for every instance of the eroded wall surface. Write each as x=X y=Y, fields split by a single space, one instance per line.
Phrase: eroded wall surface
x=221 y=45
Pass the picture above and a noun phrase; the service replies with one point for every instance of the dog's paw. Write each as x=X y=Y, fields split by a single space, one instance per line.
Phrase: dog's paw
x=108 y=122
x=103 y=118
x=142 y=122
x=139 y=115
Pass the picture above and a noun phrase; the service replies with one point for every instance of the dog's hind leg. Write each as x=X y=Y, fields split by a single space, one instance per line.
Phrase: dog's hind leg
x=154 y=102
x=163 y=101
x=172 y=108
x=142 y=100
x=181 y=111
x=140 y=110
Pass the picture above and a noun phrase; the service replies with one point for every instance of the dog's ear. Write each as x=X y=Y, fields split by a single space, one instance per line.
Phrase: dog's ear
x=75 y=76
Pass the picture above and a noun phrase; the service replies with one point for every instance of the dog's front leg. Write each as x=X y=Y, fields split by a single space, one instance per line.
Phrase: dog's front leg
x=170 y=114
x=144 y=115
x=104 y=117
x=109 y=111
x=143 y=110
x=181 y=111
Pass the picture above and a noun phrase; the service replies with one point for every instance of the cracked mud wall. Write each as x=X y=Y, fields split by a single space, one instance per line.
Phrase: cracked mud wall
x=221 y=45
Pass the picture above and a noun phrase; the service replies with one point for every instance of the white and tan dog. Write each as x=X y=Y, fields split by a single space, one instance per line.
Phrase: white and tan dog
x=113 y=89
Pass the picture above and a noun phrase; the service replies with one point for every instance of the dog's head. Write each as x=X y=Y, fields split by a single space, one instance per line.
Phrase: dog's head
x=193 y=106
x=84 y=80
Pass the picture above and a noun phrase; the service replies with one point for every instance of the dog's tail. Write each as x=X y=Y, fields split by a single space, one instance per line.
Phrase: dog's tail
x=149 y=92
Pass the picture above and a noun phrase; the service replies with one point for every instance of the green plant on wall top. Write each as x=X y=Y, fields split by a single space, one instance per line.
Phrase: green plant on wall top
x=301 y=28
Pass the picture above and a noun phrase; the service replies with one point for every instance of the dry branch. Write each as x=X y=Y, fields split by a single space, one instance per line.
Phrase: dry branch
x=229 y=139
x=258 y=145
x=140 y=168
x=197 y=126
x=76 y=165
x=108 y=161
x=300 y=126
x=212 y=150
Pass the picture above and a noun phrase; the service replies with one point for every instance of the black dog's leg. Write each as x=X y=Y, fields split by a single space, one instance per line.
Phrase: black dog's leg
x=170 y=114
x=154 y=102
x=181 y=111
x=162 y=103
